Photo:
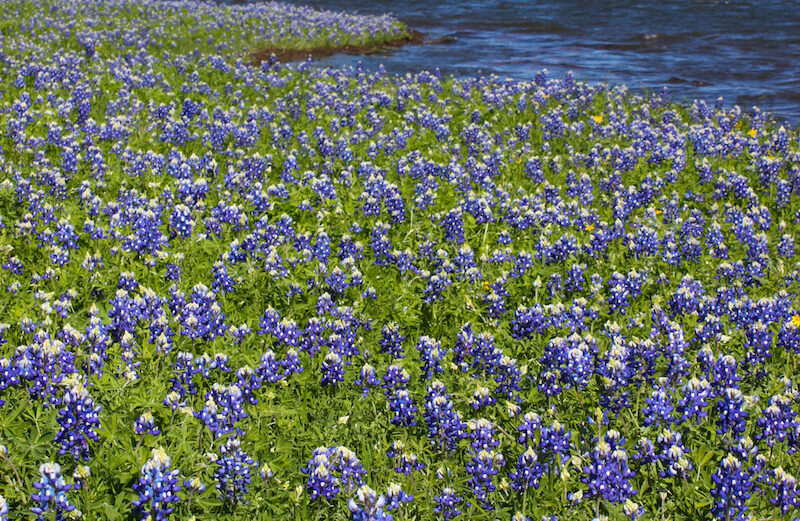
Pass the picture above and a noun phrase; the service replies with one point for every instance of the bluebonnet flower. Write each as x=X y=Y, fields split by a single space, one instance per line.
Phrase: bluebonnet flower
x=567 y=362
x=675 y=346
x=554 y=445
x=481 y=398
x=321 y=481
x=291 y=364
x=673 y=455
x=265 y=472
x=619 y=294
x=80 y=475
x=51 y=493
x=223 y=408
x=576 y=279
x=369 y=506
x=14 y=265
x=445 y=427
x=495 y=304
x=395 y=449
x=528 y=322
x=438 y=282
x=332 y=369
x=778 y=422
x=785 y=487
x=145 y=424
x=693 y=405
x=202 y=317
x=508 y=378
x=731 y=416
x=324 y=462
x=531 y=425
x=78 y=420
x=617 y=371
x=482 y=436
x=482 y=467
x=129 y=354
x=608 y=474
x=270 y=369
x=183 y=370
x=534 y=170
x=725 y=374
x=157 y=487
x=233 y=471
x=527 y=472
x=447 y=504
x=381 y=245
x=465 y=263
x=222 y=279
x=407 y=463
x=367 y=379
x=733 y=486
x=786 y=247
x=633 y=510
x=342 y=340
x=269 y=321
x=396 y=496
x=431 y=355
x=789 y=335
x=123 y=314
x=745 y=449
x=396 y=378
x=174 y=401
x=173 y=270
x=402 y=407
x=687 y=297
x=452 y=225
x=486 y=356
x=758 y=343
x=464 y=346
x=646 y=452
x=181 y=221
x=337 y=281
x=239 y=333
x=658 y=407
x=348 y=464
x=193 y=486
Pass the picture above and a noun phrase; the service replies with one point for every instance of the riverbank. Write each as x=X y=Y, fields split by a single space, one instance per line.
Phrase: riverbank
x=412 y=37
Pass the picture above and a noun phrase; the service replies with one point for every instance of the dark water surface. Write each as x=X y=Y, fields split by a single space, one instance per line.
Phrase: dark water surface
x=746 y=51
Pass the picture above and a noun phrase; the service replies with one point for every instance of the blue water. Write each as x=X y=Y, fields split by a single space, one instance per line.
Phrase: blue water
x=748 y=52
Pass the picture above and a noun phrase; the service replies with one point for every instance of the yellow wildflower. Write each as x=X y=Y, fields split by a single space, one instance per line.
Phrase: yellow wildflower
x=598 y=118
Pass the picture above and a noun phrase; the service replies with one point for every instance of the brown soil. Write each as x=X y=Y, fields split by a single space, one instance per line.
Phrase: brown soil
x=291 y=55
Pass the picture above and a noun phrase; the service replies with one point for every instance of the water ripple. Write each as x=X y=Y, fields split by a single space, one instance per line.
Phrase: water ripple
x=745 y=51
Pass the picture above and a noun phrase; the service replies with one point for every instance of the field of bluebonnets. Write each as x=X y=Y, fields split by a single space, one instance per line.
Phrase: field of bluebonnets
x=281 y=292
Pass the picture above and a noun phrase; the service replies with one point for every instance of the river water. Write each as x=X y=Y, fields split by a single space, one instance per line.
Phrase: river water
x=748 y=52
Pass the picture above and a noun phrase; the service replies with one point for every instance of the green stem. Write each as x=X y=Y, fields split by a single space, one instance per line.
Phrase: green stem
x=17 y=479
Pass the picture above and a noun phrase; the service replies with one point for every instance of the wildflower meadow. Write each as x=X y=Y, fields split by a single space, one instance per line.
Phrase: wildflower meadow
x=234 y=290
